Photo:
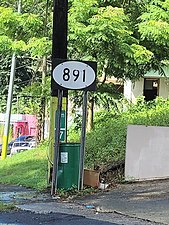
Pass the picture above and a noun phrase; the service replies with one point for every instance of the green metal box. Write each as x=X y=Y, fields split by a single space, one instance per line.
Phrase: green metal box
x=69 y=166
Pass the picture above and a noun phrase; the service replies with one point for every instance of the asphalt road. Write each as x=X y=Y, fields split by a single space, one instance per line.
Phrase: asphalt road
x=29 y=218
x=142 y=203
x=147 y=200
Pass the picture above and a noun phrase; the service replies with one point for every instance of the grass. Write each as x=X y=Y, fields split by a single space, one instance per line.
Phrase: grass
x=6 y=207
x=28 y=168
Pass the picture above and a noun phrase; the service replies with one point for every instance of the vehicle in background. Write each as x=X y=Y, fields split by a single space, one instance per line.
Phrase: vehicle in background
x=21 y=146
x=26 y=138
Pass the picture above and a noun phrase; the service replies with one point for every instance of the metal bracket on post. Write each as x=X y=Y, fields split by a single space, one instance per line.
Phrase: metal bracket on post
x=83 y=139
x=57 y=142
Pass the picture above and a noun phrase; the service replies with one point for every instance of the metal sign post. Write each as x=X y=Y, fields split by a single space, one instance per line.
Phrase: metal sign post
x=72 y=75
x=57 y=142
x=83 y=140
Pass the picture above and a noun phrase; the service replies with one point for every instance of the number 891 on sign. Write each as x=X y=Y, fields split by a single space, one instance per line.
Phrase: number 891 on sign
x=74 y=75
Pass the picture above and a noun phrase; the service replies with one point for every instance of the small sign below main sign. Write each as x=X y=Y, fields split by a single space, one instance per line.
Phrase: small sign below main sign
x=62 y=125
x=75 y=75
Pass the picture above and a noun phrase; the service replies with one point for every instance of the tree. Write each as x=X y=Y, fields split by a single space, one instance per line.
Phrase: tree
x=116 y=34
x=23 y=34
x=103 y=32
x=154 y=31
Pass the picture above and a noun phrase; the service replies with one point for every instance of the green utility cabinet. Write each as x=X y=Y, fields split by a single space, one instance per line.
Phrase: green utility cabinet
x=69 y=165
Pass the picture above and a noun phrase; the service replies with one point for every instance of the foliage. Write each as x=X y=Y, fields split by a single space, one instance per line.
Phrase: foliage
x=108 y=96
x=74 y=193
x=102 y=31
x=154 y=30
x=25 y=75
x=105 y=31
x=126 y=38
x=103 y=34
x=29 y=100
x=39 y=47
x=155 y=22
x=24 y=35
x=16 y=30
x=7 y=207
x=106 y=143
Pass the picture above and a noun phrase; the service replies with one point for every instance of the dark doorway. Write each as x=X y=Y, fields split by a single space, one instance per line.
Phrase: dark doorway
x=151 y=88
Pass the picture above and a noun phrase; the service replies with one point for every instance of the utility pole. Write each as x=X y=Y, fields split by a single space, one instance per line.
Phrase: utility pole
x=59 y=39
x=59 y=51
x=9 y=100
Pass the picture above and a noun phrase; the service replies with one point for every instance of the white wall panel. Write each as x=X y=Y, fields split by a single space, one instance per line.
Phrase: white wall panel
x=147 y=152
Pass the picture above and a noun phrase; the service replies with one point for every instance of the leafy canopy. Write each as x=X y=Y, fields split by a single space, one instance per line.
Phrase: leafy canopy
x=103 y=34
x=22 y=32
x=154 y=29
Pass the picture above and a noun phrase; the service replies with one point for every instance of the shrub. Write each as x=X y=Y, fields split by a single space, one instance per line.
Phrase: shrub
x=107 y=141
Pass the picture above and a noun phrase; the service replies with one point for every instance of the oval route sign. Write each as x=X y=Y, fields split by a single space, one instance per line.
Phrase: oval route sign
x=74 y=75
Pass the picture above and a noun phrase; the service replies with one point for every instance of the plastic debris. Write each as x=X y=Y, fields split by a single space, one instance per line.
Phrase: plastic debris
x=89 y=207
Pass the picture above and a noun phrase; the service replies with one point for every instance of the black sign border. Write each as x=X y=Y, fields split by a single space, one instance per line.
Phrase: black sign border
x=55 y=86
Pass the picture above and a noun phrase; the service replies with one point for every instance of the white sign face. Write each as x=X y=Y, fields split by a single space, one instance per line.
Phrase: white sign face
x=74 y=75
x=64 y=157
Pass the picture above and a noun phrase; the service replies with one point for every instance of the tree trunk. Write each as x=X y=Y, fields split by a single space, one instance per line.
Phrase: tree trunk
x=90 y=115
x=41 y=119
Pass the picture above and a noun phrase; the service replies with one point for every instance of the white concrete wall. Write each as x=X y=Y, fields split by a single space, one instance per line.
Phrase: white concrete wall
x=147 y=153
x=128 y=90
x=138 y=87
x=164 y=87
x=133 y=89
